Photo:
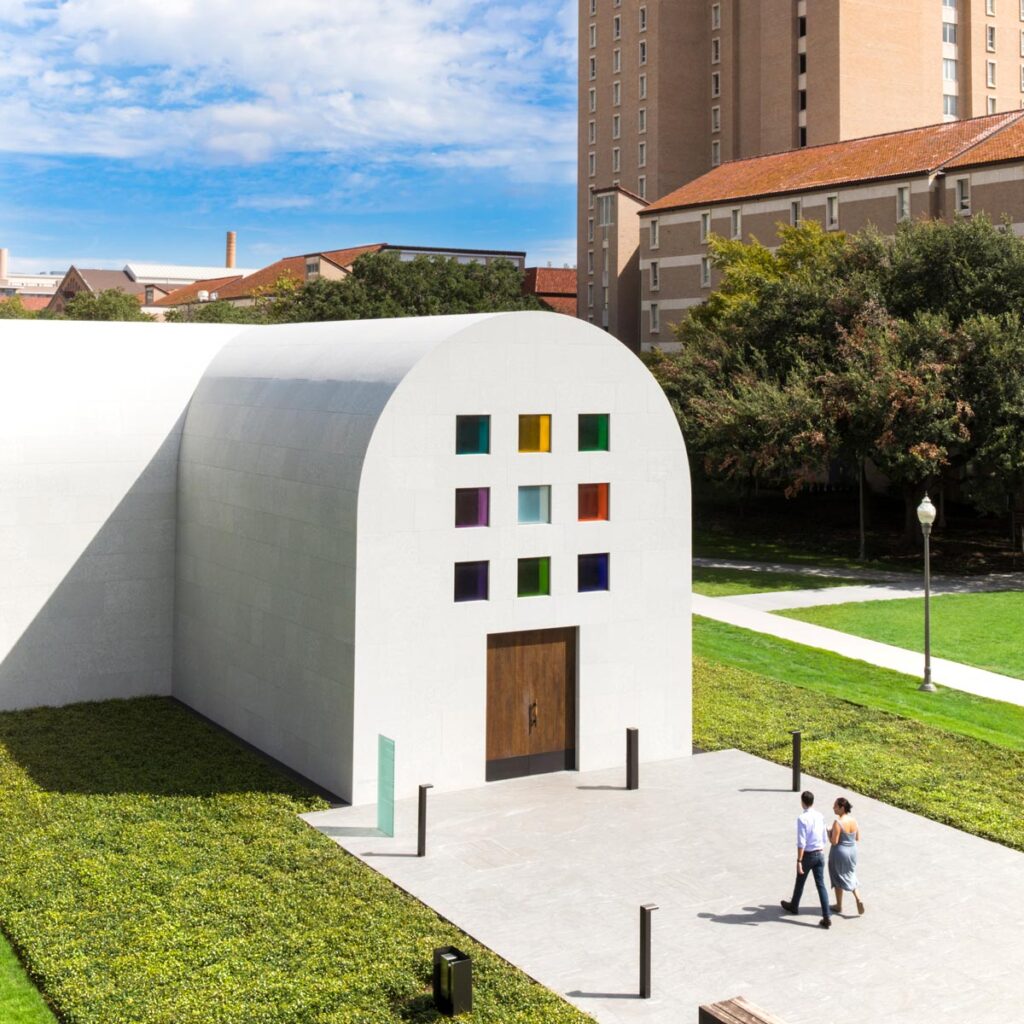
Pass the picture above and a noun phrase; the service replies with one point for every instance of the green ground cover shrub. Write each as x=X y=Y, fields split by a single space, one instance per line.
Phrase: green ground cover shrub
x=955 y=779
x=984 y=630
x=719 y=582
x=153 y=871
x=20 y=1001
x=989 y=720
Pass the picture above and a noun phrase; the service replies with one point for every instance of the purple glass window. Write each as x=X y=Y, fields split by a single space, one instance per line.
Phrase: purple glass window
x=471 y=581
x=592 y=573
x=473 y=506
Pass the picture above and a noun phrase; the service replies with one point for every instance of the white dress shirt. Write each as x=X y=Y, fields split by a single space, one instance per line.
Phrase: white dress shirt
x=810 y=831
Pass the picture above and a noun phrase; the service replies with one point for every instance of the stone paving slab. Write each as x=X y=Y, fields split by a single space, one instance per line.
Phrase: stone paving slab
x=780 y=600
x=550 y=872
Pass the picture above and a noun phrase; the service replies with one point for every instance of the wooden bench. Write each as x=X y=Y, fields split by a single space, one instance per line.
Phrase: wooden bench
x=736 y=1011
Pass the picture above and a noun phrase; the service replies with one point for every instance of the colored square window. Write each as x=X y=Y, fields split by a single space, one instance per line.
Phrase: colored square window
x=593 y=431
x=472 y=435
x=535 y=433
x=592 y=573
x=593 y=502
x=471 y=581
x=534 y=577
x=535 y=504
x=473 y=506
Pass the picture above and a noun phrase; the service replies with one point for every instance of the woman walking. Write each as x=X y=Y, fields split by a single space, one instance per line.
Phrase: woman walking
x=842 y=858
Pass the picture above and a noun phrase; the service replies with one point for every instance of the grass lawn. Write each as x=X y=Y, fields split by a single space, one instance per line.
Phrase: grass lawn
x=713 y=582
x=834 y=676
x=20 y=1002
x=153 y=871
x=984 y=630
x=955 y=779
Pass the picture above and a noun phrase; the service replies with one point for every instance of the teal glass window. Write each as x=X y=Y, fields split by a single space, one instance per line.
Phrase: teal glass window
x=593 y=434
x=472 y=435
x=535 y=504
x=534 y=577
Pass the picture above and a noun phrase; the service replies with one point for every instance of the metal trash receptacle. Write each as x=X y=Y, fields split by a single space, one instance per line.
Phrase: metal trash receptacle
x=453 y=981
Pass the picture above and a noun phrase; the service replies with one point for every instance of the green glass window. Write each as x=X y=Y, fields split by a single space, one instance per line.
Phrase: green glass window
x=472 y=435
x=534 y=577
x=593 y=432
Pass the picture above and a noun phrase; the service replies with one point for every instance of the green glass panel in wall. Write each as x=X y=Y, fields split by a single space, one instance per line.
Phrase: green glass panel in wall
x=472 y=435
x=593 y=435
x=534 y=577
x=385 y=786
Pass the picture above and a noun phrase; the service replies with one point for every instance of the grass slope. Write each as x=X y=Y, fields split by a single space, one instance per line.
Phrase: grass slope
x=716 y=582
x=951 y=778
x=153 y=871
x=20 y=1002
x=984 y=630
x=835 y=676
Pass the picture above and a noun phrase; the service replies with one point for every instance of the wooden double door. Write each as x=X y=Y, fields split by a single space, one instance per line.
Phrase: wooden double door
x=531 y=702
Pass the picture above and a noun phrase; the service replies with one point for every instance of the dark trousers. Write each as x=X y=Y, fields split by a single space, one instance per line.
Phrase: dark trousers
x=814 y=863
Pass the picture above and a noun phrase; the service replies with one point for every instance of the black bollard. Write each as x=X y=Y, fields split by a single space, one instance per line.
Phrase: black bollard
x=796 y=760
x=632 y=759
x=645 y=949
x=421 y=836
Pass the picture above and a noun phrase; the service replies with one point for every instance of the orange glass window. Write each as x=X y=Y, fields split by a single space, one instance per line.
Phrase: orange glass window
x=593 y=502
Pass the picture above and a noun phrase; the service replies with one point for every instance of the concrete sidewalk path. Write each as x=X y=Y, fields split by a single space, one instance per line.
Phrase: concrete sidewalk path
x=550 y=872
x=945 y=673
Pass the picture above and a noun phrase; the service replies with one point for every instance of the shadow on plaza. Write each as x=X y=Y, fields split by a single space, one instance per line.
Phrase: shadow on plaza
x=765 y=913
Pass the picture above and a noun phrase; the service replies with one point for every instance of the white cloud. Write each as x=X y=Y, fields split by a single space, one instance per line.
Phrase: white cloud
x=486 y=83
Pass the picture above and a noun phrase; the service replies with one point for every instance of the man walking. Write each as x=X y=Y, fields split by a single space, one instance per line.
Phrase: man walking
x=810 y=856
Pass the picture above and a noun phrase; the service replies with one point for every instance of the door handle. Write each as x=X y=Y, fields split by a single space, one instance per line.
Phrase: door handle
x=533 y=716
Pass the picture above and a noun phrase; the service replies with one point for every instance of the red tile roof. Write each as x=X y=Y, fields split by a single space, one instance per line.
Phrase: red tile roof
x=549 y=281
x=897 y=154
x=560 y=303
x=1006 y=144
x=263 y=281
x=344 y=258
x=190 y=292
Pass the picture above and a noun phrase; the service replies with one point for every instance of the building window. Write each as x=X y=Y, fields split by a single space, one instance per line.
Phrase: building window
x=948 y=69
x=616 y=94
x=593 y=68
x=593 y=431
x=616 y=160
x=593 y=6
x=535 y=504
x=592 y=164
x=472 y=506
x=801 y=28
x=803 y=137
x=641 y=120
x=471 y=581
x=716 y=50
x=534 y=577
x=472 y=435
x=590 y=261
x=605 y=207
x=593 y=36
x=641 y=186
x=617 y=27
x=990 y=73
x=949 y=105
x=593 y=100
x=802 y=99
x=643 y=19
x=990 y=7
x=705 y=271
x=1022 y=40
x=590 y=229
x=716 y=119
x=949 y=3
x=592 y=132
x=801 y=63
x=616 y=125
x=1022 y=78
x=655 y=318
x=593 y=503
x=590 y=294
x=949 y=32
x=963 y=195
x=616 y=61
x=643 y=51
x=716 y=16
x=655 y=276
x=796 y=212
x=716 y=84
x=832 y=213
x=654 y=232
x=535 y=433
x=736 y=223
x=705 y=225
x=641 y=156
x=990 y=38
x=592 y=573
x=716 y=153
x=643 y=87
x=991 y=104
x=903 y=203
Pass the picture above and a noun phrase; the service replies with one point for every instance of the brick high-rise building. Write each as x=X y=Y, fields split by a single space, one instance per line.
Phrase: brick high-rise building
x=670 y=88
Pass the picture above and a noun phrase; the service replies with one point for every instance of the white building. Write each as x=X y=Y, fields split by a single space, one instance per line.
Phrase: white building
x=468 y=534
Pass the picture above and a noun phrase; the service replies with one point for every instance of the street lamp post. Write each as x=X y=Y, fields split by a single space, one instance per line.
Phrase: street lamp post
x=926 y=516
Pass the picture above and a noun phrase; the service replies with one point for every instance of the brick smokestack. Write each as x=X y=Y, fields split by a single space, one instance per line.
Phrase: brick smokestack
x=229 y=258
x=3 y=264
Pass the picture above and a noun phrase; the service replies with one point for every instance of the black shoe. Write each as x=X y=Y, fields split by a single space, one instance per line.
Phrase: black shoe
x=789 y=908
x=825 y=922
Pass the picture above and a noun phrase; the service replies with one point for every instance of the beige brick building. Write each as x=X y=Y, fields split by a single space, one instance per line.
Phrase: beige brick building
x=669 y=89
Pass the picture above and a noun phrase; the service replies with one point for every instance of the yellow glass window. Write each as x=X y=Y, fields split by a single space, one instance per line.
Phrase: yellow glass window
x=535 y=433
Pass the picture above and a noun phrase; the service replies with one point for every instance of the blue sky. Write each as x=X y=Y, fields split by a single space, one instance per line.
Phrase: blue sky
x=144 y=129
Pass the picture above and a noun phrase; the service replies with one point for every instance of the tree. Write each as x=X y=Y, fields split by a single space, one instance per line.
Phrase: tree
x=14 y=309
x=382 y=285
x=111 y=304
x=219 y=312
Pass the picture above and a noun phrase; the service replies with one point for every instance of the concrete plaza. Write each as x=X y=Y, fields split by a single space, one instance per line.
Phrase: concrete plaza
x=550 y=872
